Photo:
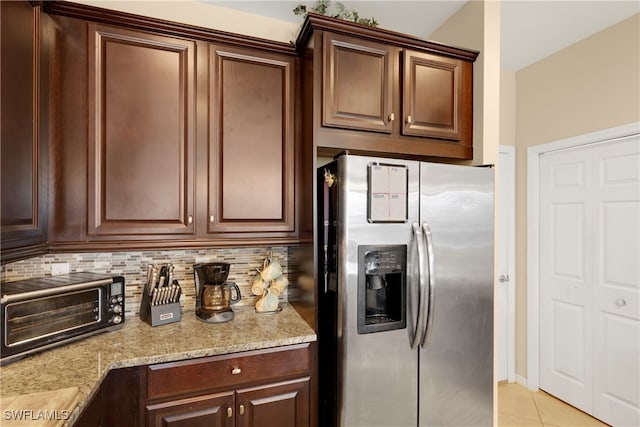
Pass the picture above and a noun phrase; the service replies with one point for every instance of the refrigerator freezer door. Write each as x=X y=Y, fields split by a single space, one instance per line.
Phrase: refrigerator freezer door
x=378 y=372
x=456 y=360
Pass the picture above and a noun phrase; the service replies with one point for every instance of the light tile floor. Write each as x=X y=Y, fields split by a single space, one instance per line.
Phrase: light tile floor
x=519 y=407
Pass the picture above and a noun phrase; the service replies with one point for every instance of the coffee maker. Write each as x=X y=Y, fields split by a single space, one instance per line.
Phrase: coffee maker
x=214 y=295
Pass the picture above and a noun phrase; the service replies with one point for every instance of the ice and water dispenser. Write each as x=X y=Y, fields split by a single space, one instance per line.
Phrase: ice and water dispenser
x=381 y=288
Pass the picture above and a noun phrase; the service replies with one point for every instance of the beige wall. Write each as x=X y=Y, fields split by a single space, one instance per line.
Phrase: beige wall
x=507 y=107
x=589 y=86
x=477 y=26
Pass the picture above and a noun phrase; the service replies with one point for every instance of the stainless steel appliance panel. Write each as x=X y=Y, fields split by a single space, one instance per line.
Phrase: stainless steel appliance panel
x=456 y=358
x=378 y=377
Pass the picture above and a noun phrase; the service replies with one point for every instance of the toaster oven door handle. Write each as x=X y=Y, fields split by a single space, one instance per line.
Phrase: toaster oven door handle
x=53 y=291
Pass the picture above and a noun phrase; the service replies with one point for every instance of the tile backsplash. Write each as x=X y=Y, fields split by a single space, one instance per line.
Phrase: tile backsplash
x=133 y=266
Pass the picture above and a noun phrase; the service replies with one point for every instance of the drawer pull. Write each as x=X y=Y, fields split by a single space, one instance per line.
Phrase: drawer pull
x=229 y=412
x=236 y=371
x=621 y=302
x=241 y=409
x=190 y=219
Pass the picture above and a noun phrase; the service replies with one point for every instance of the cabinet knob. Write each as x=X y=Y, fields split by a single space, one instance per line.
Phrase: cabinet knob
x=409 y=120
x=229 y=412
x=190 y=219
x=241 y=409
x=236 y=371
x=392 y=117
x=621 y=302
x=212 y=219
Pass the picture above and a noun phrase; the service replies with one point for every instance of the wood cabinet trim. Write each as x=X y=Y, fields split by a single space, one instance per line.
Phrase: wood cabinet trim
x=315 y=22
x=145 y=23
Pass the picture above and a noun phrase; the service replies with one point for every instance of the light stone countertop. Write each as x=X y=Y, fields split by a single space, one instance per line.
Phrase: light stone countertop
x=85 y=363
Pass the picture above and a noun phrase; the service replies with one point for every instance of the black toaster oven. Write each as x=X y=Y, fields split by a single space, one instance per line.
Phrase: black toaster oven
x=41 y=313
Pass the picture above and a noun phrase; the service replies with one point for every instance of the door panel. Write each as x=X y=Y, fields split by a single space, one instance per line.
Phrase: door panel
x=140 y=165
x=590 y=278
x=277 y=405
x=214 y=410
x=456 y=360
x=565 y=295
x=432 y=96
x=617 y=282
x=358 y=79
x=251 y=156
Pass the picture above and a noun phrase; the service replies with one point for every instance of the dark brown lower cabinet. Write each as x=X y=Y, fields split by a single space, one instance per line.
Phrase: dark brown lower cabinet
x=284 y=404
x=260 y=388
x=275 y=405
x=211 y=410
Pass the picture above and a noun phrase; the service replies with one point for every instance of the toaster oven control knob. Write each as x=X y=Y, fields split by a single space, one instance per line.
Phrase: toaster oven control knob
x=119 y=298
x=116 y=319
x=117 y=309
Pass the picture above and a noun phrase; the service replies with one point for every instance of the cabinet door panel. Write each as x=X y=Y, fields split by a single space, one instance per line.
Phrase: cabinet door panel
x=23 y=164
x=278 y=405
x=357 y=84
x=141 y=133
x=213 y=410
x=252 y=153
x=432 y=96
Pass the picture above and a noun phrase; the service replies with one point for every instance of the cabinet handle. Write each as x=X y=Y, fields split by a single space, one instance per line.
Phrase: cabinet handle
x=229 y=412
x=236 y=371
x=212 y=219
x=241 y=409
x=621 y=302
x=409 y=120
x=392 y=117
x=190 y=219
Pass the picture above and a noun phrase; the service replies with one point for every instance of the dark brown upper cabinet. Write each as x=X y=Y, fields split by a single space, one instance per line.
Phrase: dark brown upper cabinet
x=141 y=133
x=170 y=136
x=432 y=97
x=24 y=129
x=251 y=147
x=375 y=91
x=358 y=84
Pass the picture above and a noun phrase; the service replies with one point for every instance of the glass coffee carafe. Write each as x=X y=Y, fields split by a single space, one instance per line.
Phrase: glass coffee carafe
x=214 y=295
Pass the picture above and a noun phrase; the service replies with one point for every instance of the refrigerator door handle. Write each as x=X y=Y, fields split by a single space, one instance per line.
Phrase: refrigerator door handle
x=419 y=318
x=431 y=291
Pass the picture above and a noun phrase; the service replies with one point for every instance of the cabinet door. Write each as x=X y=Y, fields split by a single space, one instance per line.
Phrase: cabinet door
x=283 y=404
x=357 y=84
x=141 y=133
x=213 y=410
x=432 y=96
x=23 y=138
x=251 y=155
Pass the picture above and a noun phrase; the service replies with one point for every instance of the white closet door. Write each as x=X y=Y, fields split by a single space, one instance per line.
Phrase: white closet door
x=617 y=282
x=566 y=277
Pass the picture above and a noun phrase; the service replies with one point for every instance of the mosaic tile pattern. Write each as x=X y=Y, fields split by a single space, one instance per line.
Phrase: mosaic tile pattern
x=133 y=266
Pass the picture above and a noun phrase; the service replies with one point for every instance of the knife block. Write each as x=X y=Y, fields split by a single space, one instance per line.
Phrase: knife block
x=159 y=314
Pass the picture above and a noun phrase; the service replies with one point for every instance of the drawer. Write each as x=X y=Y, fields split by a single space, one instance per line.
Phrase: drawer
x=227 y=371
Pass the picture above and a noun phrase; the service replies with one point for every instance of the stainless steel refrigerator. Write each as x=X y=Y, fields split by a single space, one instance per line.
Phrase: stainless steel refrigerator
x=405 y=296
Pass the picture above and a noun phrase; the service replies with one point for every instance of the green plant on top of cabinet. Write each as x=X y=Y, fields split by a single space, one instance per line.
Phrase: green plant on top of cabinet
x=24 y=129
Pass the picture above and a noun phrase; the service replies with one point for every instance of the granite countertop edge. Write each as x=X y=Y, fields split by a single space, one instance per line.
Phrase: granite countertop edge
x=87 y=362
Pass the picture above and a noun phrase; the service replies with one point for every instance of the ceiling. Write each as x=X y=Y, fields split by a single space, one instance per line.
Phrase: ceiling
x=530 y=30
